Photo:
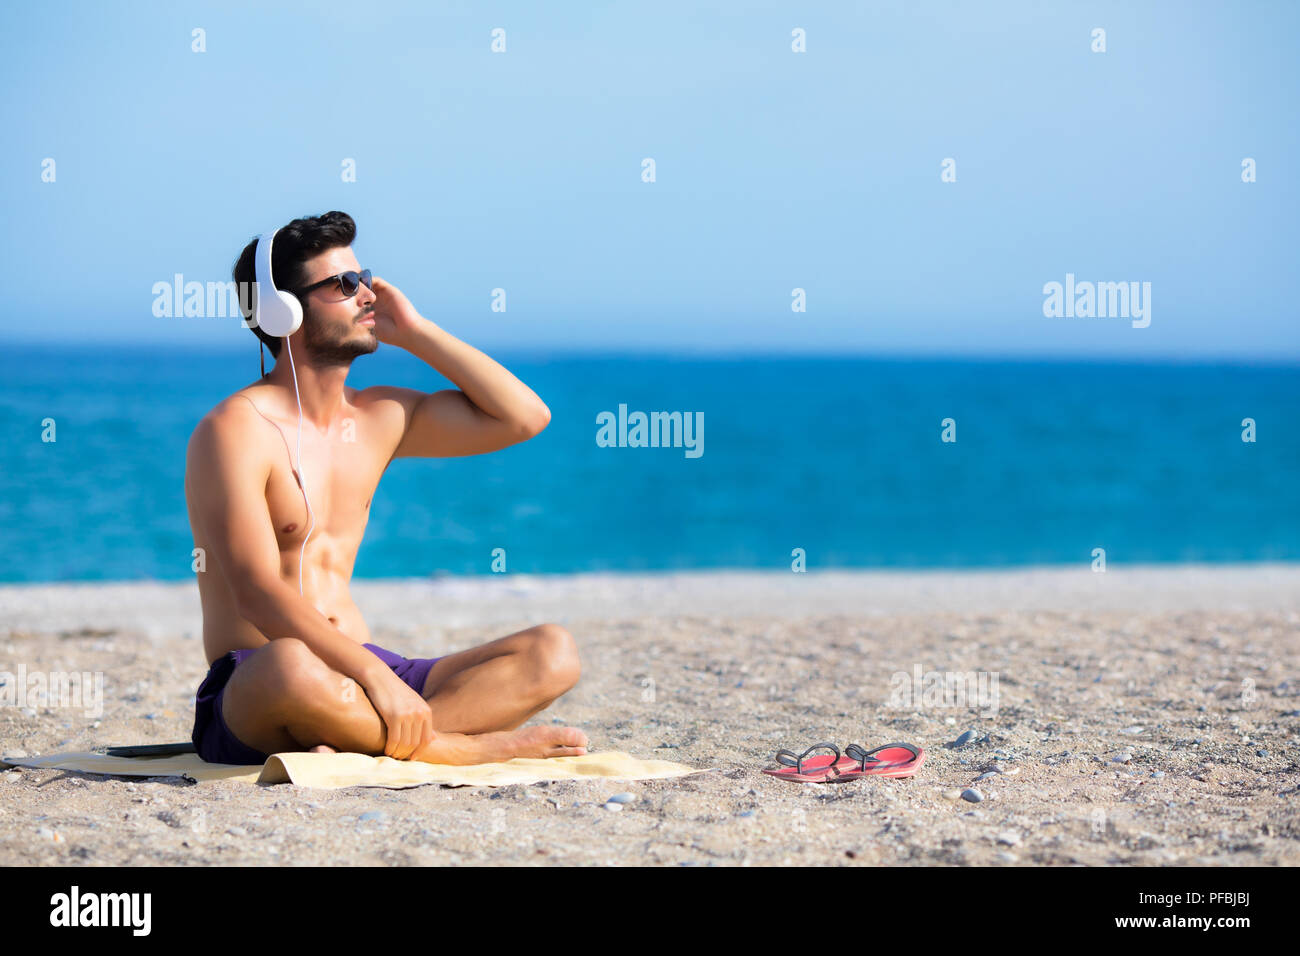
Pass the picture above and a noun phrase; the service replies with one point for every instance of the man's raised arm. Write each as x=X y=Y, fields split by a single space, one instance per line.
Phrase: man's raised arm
x=491 y=410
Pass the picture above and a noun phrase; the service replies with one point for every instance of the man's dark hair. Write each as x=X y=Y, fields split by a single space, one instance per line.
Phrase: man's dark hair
x=295 y=243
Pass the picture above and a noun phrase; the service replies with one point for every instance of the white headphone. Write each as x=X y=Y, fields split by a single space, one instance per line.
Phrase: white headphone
x=280 y=314
x=274 y=312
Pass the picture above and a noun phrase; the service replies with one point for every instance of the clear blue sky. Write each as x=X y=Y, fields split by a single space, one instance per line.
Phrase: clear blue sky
x=818 y=170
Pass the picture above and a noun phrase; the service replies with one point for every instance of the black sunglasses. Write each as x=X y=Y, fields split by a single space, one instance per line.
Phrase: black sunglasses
x=349 y=283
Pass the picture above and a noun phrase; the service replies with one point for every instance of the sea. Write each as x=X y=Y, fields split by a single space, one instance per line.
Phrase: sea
x=799 y=462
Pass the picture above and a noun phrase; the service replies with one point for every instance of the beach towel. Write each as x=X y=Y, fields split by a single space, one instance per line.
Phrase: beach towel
x=334 y=771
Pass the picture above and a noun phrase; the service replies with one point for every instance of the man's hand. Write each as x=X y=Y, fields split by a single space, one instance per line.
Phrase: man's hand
x=395 y=318
x=405 y=714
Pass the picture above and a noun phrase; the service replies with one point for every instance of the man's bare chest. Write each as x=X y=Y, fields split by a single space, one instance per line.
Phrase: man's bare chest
x=339 y=480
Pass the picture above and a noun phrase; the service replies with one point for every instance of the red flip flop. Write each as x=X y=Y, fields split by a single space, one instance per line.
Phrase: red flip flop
x=891 y=760
x=800 y=768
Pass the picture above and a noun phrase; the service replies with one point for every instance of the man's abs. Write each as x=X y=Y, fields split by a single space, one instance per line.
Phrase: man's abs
x=224 y=630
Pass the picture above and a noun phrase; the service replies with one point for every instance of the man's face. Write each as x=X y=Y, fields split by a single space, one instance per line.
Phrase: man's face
x=336 y=328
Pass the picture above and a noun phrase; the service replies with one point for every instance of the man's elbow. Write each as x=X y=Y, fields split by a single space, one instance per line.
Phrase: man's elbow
x=535 y=424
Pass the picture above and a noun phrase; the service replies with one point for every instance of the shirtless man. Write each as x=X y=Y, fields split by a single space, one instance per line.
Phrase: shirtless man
x=296 y=672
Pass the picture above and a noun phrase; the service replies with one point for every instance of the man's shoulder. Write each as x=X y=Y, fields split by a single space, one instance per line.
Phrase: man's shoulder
x=234 y=417
x=388 y=403
x=387 y=411
x=377 y=396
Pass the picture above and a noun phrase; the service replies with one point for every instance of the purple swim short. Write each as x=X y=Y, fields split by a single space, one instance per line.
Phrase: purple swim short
x=213 y=739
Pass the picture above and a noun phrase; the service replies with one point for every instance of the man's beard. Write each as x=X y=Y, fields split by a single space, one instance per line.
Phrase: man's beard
x=326 y=347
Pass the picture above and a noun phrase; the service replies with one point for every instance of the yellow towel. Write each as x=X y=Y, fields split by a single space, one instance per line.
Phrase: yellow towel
x=332 y=771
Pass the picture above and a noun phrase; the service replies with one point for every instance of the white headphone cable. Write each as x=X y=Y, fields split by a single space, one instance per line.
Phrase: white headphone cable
x=302 y=483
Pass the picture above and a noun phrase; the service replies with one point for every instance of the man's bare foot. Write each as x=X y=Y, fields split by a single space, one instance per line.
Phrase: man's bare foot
x=500 y=745
x=322 y=749
x=547 y=742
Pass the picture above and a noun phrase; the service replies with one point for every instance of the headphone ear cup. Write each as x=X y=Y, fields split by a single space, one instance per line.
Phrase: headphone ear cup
x=280 y=314
x=293 y=308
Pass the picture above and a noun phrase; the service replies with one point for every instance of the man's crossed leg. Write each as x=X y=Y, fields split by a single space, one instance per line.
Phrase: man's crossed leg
x=285 y=698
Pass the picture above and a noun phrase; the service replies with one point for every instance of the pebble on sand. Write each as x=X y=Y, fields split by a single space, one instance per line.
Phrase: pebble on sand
x=621 y=798
x=972 y=795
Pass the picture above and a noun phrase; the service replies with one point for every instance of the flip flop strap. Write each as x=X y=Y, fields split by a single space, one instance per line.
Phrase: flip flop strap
x=791 y=759
x=857 y=753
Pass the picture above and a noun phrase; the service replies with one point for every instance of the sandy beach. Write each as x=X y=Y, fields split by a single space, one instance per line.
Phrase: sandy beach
x=1145 y=716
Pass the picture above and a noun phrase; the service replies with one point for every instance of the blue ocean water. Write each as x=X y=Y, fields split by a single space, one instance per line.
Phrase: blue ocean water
x=839 y=457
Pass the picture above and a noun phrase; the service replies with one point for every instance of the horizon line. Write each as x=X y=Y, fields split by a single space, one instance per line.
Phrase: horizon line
x=848 y=353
